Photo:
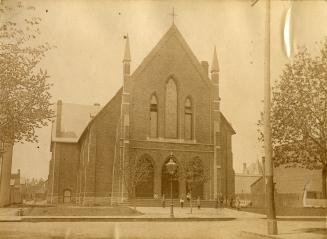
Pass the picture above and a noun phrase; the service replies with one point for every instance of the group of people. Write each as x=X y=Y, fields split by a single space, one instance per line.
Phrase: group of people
x=221 y=201
x=231 y=201
x=181 y=200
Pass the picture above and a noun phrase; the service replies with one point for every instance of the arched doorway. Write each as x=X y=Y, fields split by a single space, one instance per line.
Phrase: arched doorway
x=144 y=189
x=166 y=182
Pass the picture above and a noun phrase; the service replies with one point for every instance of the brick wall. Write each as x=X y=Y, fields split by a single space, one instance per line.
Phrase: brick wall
x=65 y=157
x=98 y=143
x=106 y=130
x=97 y=154
x=175 y=63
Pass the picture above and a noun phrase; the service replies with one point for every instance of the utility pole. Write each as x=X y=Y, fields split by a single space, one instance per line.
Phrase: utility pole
x=269 y=179
x=270 y=200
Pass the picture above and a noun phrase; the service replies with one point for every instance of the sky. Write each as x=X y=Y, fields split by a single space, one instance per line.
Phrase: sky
x=86 y=65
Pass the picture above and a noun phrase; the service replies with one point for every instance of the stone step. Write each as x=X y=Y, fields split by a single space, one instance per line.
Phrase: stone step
x=158 y=203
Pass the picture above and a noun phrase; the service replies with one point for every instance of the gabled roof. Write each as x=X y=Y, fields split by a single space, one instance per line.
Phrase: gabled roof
x=243 y=182
x=74 y=118
x=173 y=31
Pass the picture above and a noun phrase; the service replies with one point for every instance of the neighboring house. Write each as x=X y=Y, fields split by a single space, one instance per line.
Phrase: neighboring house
x=17 y=188
x=6 y=150
x=290 y=185
x=36 y=190
x=244 y=180
x=170 y=103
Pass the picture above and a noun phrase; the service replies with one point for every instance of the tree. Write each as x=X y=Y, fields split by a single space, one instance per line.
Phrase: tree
x=135 y=171
x=24 y=95
x=299 y=113
x=24 y=90
x=194 y=175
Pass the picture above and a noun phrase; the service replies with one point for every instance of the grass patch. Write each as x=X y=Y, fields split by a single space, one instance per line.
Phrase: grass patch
x=81 y=211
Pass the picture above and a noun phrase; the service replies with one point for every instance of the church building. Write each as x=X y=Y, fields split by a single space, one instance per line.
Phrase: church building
x=169 y=105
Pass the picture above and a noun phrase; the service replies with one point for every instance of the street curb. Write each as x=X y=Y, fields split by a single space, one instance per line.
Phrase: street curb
x=314 y=219
x=302 y=219
x=254 y=235
x=11 y=220
x=113 y=219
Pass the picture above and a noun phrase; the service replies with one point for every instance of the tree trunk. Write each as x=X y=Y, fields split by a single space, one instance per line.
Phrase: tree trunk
x=323 y=178
x=5 y=174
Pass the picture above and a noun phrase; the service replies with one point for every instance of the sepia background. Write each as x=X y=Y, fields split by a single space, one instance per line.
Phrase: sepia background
x=86 y=65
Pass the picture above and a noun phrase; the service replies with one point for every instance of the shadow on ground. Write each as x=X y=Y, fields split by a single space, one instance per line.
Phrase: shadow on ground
x=322 y=231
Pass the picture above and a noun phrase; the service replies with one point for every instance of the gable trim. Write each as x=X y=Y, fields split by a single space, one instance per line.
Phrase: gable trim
x=173 y=31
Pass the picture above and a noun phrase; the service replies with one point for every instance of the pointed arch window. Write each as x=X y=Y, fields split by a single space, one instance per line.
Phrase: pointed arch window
x=171 y=110
x=188 y=119
x=153 y=117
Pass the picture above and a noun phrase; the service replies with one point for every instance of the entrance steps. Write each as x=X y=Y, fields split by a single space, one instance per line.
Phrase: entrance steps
x=149 y=202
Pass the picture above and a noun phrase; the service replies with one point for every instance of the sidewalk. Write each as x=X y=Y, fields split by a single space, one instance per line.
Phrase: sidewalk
x=244 y=225
x=160 y=212
x=286 y=230
x=207 y=221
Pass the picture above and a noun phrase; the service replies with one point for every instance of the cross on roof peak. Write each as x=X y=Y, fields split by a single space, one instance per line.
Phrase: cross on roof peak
x=173 y=14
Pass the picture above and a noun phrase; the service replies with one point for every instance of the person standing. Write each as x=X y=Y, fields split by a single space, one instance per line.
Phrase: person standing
x=221 y=200
x=163 y=201
x=188 y=197
x=181 y=201
x=238 y=203
x=231 y=202
x=198 y=203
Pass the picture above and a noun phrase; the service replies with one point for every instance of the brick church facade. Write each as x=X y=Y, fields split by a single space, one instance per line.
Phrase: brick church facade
x=169 y=104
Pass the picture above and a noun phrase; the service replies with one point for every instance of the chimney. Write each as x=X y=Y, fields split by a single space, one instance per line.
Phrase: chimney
x=58 y=118
x=205 y=66
x=244 y=168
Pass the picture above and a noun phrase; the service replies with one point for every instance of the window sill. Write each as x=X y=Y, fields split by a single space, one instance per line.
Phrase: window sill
x=188 y=141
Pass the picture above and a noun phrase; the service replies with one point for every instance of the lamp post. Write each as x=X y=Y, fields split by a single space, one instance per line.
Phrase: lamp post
x=171 y=168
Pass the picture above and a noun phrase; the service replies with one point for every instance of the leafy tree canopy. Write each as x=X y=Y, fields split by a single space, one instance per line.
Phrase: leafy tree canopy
x=24 y=90
x=195 y=172
x=299 y=112
x=134 y=171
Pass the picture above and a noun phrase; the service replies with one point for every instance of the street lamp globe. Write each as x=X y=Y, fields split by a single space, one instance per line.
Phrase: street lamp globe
x=171 y=165
x=171 y=168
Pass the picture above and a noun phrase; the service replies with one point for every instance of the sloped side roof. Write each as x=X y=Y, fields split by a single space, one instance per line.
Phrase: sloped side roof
x=243 y=182
x=118 y=94
x=74 y=119
x=227 y=123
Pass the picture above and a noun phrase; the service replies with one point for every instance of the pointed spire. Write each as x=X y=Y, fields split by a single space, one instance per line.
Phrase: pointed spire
x=215 y=66
x=127 y=54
